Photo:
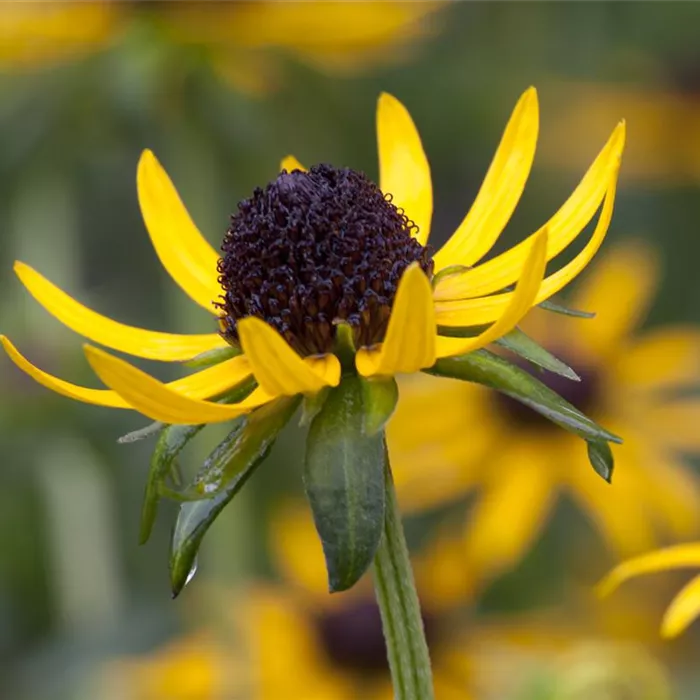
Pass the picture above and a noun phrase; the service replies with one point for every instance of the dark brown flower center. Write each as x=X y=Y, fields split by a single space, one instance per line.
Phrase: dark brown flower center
x=584 y=395
x=352 y=637
x=314 y=248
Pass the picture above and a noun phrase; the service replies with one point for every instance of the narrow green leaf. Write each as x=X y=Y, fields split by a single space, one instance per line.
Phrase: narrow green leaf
x=379 y=399
x=449 y=271
x=170 y=443
x=552 y=306
x=142 y=433
x=213 y=357
x=311 y=405
x=173 y=438
x=222 y=476
x=344 y=346
x=344 y=482
x=493 y=371
x=601 y=458
x=523 y=345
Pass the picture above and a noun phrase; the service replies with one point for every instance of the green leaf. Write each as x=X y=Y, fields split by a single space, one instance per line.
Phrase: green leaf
x=170 y=443
x=344 y=482
x=449 y=271
x=142 y=433
x=222 y=476
x=311 y=405
x=601 y=458
x=552 y=306
x=379 y=399
x=485 y=368
x=213 y=357
x=523 y=345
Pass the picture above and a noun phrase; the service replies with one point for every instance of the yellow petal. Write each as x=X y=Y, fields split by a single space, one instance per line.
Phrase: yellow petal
x=290 y=163
x=676 y=424
x=159 y=401
x=684 y=608
x=278 y=368
x=521 y=488
x=470 y=312
x=208 y=383
x=501 y=190
x=563 y=228
x=403 y=168
x=520 y=303
x=409 y=344
x=183 y=251
x=662 y=359
x=167 y=347
x=681 y=556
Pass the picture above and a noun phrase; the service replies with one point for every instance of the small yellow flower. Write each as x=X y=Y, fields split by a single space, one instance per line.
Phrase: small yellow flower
x=685 y=607
x=325 y=246
x=449 y=439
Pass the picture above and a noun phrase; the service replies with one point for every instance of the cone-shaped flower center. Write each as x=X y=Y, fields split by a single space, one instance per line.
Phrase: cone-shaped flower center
x=314 y=248
x=584 y=395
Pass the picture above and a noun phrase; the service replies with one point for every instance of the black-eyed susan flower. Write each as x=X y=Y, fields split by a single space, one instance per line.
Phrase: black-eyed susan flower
x=685 y=607
x=517 y=465
x=326 y=289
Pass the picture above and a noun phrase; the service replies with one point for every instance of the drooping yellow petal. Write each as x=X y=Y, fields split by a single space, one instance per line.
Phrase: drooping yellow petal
x=183 y=251
x=500 y=191
x=159 y=401
x=205 y=384
x=278 y=368
x=684 y=608
x=167 y=347
x=404 y=172
x=676 y=424
x=520 y=303
x=290 y=163
x=409 y=344
x=563 y=227
x=681 y=556
x=469 y=312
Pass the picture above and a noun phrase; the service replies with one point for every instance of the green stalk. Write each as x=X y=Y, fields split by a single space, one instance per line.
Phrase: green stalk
x=395 y=589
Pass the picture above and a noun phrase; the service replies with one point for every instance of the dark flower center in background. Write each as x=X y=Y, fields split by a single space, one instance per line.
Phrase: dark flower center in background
x=313 y=248
x=352 y=637
x=584 y=395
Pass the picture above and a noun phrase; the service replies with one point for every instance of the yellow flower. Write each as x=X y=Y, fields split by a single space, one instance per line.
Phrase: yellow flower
x=294 y=640
x=685 y=607
x=449 y=438
x=323 y=246
x=241 y=38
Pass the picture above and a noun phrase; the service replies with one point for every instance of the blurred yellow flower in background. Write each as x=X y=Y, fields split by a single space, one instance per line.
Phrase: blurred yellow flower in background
x=685 y=607
x=449 y=439
x=243 y=40
x=294 y=640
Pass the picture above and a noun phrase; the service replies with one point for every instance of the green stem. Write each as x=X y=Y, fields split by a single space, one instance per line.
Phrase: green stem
x=407 y=650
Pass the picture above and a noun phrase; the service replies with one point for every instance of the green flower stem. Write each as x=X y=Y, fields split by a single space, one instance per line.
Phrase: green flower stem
x=395 y=589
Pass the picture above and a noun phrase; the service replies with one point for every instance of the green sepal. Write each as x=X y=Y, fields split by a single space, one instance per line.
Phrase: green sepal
x=170 y=443
x=449 y=271
x=523 y=345
x=142 y=433
x=225 y=471
x=552 y=306
x=483 y=367
x=344 y=346
x=210 y=358
x=344 y=482
x=379 y=399
x=311 y=405
x=601 y=458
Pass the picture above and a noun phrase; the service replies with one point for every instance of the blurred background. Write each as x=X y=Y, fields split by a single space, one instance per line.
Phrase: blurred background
x=510 y=526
